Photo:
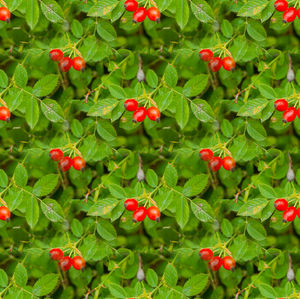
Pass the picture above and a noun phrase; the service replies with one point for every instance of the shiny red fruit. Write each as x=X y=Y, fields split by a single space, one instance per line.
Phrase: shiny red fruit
x=131 y=5
x=228 y=63
x=281 y=105
x=154 y=213
x=298 y=212
x=139 y=115
x=78 y=163
x=281 y=204
x=65 y=263
x=289 y=15
x=56 y=254
x=139 y=15
x=131 y=104
x=139 y=214
x=78 y=64
x=281 y=5
x=153 y=114
x=215 y=64
x=215 y=163
x=56 y=154
x=153 y=14
x=289 y=214
x=298 y=13
x=215 y=263
x=65 y=64
x=131 y=204
x=65 y=163
x=298 y=112
x=4 y=213
x=206 y=154
x=228 y=163
x=228 y=263
x=4 y=114
x=56 y=54
x=289 y=114
x=4 y=14
x=78 y=263
x=206 y=54
x=206 y=254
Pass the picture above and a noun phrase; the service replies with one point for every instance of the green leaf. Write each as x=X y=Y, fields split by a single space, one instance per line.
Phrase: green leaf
x=170 y=275
x=256 y=130
x=45 y=285
x=195 y=185
x=52 y=11
x=252 y=8
x=195 y=86
x=20 y=275
x=202 y=11
x=52 y=110
x=151 y=78
x=76 y=28
x=202 y=210
x=76 y=227
x=102 y=9
x=182 y=12
x=202 y=110
x=182 y=111
x=32 y=13
x=227 y=128
x=3 y=279
x=106 y=130
x=3 y=178
x=20 y=175
x=45 y=185
x=116 y=290
x=103 y=108
x=226 y=228
x=256 y=230
x=77 y=128
x=45 y=86
x=152 y=178
x=182 y=211
x=103 y=207
x=106 y=31
x=195 y=285
x=3 y=79
x=267 y=291
x=256 y=30
x=170 y=75
x=31 y=111
x=151 y=277
x=252 y=207
x=170 y=175
x=32 y=211
x=21 y=76
x=52 y=210
x=253 y=107
x=106 y=230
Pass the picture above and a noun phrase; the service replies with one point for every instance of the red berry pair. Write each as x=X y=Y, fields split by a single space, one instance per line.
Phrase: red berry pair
x=65 y=63
x=4 y=114
x=65 y=262
x=4 y=214
x=289 y=13
x=215 y=163
x=215 y=262
x=65 y=163
x=140 y=113
x=140 y=13
x=140 y=213
x=289 y=213
x=289 y=113
x=4 y=14
x=215 y=63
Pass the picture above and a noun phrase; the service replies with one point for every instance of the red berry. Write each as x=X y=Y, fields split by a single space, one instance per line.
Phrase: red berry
x=78 y=64
x=139 y=115
x=139 y=214
x=78 y=163
x=131 y=204
x=298 y=112
x=4 y=14
x=139 y=15
x=65 y=163
x=153 y=114
x=298 y=212
x=215 y=64
x=56 y=254
x=215 y=163
x=289 y=214
x=206 y=54
x=131 y=5
x=4 y=114
x=56 y=54
x=4 y=213
x=65 y=263
x=56 y=154
x=131 y=104
x=228 y=163
x=153 y=14
x=206 y=254
x=154 y=213
x=228 y=263
x=65 y=64
x=281 y=5
x=298 y=13
x=206 y=154
x=281 y=204
x=289 y=15
x=78 y=263
x=228 y=63
x=289 y=114
x=281 y=105
x=215 y=263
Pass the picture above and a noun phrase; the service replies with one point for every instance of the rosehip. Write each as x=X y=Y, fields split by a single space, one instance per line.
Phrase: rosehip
x=215 y=263
x=65 y=64
x=139 y=15
x=78 y=263
x=65 y=163
x=281 y=5
x=215 y=64
x=56 y=154
x=228 y=63
x=56 y=54
x=206 y=154
x=206 y=254
x=154 y=213
x=228 y=163
x=78 y=163
x=139 y=214
x=153 y=14
x=298 y=13
x=289 y=15
x=131 y=104
x=78 y=64
x=281 y=105
x=289 y=214
x=206 y=54
x=289 y=114
x=4 y=14
x=298 y=212
x=4 y=213
x=65 y=263
x=228 y=263
x=153 y=114
x=139 y=115
x=56 y=254
x=131 y=5
x=281 y=204
x=215 y=163
x=4 y=114
x=131 y=204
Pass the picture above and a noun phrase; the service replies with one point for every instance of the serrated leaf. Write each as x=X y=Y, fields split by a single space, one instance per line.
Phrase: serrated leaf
x=45 y=185
x=45 y=86
x=45 y=284
x=52 y=11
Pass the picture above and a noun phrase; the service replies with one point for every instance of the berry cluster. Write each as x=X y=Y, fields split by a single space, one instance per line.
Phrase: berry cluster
x=4 y=114
x=215 y=163
x=4 y=14
x=4 y=213
x=140 y=213
x=140 y=113
x=215 y=262
x=289 y=213
x=289 y=13
x=66 y=162
x=65 y=63
x=140 y=13
x=289 y=113
x=215 y=63
x=65 y=262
